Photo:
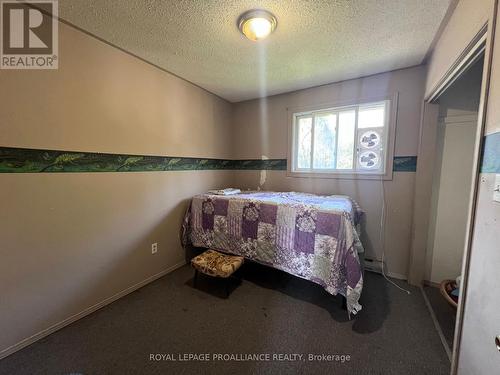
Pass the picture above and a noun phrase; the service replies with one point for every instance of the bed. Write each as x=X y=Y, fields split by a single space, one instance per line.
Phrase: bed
x=310 y=236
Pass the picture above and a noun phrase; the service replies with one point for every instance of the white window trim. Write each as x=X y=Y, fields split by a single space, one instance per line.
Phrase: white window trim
x=336 y=174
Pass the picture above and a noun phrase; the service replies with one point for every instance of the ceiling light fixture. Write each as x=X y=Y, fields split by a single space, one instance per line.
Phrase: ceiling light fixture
x=257 y=24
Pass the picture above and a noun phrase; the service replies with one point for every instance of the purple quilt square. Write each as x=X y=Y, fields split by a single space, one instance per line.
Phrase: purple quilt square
x=304 y=242
x=220 y=207
x=327 y=224
x=249 y=228
x=207 y=221
x=353 y=271
x=268 y=213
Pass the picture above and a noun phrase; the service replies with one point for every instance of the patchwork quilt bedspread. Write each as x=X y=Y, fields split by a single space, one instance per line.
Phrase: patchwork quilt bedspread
x=309 y=236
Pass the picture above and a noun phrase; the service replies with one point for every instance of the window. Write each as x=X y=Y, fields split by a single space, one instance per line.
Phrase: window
x=345 y=140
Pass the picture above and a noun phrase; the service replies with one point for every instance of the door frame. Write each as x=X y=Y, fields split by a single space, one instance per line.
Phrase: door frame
x=483 y=108
x=481 y=43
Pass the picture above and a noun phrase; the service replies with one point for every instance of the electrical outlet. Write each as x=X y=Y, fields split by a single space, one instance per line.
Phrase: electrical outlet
x=154 y=248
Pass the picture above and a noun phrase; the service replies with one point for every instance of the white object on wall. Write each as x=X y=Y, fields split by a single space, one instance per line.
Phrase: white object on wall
x=496 y=188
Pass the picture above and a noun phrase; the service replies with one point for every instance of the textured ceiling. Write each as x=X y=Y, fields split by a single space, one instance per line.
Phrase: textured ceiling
x=316 y=42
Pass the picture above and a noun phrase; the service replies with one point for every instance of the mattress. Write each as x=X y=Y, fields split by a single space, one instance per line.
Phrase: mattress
x=310 y=236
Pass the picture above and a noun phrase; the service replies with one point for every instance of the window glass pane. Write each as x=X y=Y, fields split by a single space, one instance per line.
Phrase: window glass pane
x=345 y=152
x=324 y=141
x=348 y=139
x=304 y=133
x=371 y=116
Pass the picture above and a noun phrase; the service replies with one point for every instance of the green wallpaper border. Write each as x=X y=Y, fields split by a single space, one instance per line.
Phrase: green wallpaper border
x=24 y=160
x=490 y=159
x=404 y=164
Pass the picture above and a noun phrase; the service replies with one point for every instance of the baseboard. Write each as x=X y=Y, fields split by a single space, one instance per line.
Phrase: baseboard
x=37 y=336
x=432 y=284
x=398 y=276
x=389 y=274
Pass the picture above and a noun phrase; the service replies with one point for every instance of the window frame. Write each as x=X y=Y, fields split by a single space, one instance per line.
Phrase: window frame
x=297 y=112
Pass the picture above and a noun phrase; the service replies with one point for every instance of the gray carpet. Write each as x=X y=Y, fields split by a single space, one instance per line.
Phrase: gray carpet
x=445 y=314
x=268 y=312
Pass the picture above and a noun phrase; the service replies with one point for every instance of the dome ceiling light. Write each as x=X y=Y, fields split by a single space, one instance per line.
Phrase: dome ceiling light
x=257 y=24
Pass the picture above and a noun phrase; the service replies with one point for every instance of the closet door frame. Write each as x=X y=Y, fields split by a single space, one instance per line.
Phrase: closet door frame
x=481 y=44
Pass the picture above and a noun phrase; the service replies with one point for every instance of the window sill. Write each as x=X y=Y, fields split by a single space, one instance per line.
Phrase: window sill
x=340 y=176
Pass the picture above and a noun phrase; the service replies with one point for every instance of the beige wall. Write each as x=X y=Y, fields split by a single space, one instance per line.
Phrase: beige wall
x=466 y=21
x=70 y=241
x=260 y=128
x=101 y=99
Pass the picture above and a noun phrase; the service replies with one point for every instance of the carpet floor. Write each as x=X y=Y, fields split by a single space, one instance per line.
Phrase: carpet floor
x=446 y=315
x=268 y=313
